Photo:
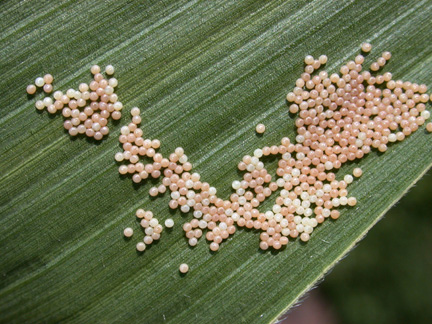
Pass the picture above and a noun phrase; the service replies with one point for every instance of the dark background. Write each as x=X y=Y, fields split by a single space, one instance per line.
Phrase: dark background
x=386 y=279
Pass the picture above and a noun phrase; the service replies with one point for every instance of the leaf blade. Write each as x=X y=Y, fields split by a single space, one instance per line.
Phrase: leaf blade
x=219 y=88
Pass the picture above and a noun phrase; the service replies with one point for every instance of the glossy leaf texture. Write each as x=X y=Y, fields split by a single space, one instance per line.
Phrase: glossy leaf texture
x=204 y=74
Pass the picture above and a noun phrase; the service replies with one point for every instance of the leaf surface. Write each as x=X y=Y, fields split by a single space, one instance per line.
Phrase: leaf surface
x=204 y=74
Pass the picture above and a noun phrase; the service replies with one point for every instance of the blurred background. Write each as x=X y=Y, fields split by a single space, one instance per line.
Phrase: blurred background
x=387 y=278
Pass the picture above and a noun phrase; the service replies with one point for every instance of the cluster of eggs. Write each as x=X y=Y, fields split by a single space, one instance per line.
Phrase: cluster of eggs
x=341 y=118
x=86 y=110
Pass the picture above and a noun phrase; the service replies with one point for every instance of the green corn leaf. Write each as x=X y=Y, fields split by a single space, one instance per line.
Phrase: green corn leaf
x=204 y=74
